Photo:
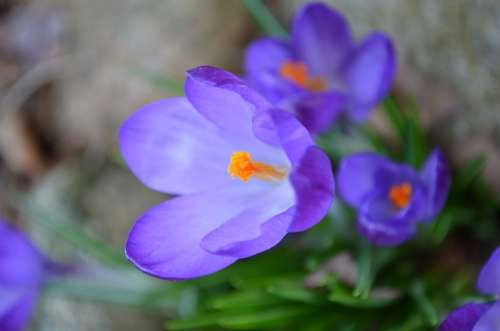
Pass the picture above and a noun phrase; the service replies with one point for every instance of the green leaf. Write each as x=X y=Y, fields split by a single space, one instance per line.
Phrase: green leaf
x=295 y=292
x=200 y=321
x=365 y=270
x=345 y=298
x=268 y=23
x=114 y=287
x=414 y=141
x=395 y=116
x=468 y=175
x=265 y=319
x=71 y=232
x=246 y=299
x=425 y=306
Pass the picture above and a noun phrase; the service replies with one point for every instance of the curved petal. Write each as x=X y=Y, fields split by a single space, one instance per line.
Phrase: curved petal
x=267 y=54
x=9 y=298
x=263 y=59
x=19 y=315
x=165 y=241
x=257 y=228
x=464 y=318
x=171 y=148
x=490 y=320
x=313 y=182
x=369 y=74
x=356 y=176
x=436 y=177
x=489 y=278
x=378 y=222
x=20 y=262
x=318 y=111
x=223 y=98
x=322 y=38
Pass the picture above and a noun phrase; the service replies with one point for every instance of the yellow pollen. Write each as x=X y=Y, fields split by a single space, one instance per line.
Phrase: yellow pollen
x=400 y=195
x=298 y=73
x=241 y=165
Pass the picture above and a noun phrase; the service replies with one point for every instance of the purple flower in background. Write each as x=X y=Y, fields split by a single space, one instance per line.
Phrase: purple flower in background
x=320 y=71
x=475 y=316
x=392 y=198
x=22 y=272
x=247 y=174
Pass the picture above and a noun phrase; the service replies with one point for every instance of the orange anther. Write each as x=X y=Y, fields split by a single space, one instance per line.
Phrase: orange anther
x=400 y=195
x=241 y=165
x=298 y=73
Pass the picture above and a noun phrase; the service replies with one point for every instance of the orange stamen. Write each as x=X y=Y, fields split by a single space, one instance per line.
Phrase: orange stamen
x=242 y=166
x=400 y=195
x=297 y=72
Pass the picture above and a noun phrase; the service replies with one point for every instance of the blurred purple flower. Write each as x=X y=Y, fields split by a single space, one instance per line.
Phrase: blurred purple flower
x=22 y=272
x=247 y=174
x=479 y=317
x=392 y=198
x=321 y=71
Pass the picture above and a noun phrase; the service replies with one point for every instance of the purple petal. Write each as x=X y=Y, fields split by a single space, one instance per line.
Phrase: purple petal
x=490 y=320
x=18 y=316
x=436 y=177
x=259 y=227
x=318 y=111
x=166 y=241
x=464 y=318
x=267 y=54
x=356 y=176
x=314 y=187
x=223 y=98
x=20 y=262
x=9 y=297
x=281 y=129
x=489 y=278
x=171 y=148
x=322 y=38
x=381 y=224
x=263 y=60
x=369 y=74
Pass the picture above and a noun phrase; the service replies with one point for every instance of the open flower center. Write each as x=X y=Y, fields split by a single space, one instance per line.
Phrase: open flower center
x=241 y=165
x=400 y=195
x=298 y=73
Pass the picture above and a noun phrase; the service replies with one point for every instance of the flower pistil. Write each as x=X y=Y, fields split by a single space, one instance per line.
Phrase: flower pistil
x=241 y=165
x=298 y=73
x=400 y=195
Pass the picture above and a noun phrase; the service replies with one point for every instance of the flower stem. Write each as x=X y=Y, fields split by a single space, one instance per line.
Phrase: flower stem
x=424 y=304
x=365 y=271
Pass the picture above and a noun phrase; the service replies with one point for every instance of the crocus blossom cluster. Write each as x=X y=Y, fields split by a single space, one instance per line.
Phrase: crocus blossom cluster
x=479 y=316
x=320 y=71
x=245 y=173
x=392 y=198
x=22 y=272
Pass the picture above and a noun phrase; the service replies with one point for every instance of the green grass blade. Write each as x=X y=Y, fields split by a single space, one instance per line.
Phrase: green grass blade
x=266 y=20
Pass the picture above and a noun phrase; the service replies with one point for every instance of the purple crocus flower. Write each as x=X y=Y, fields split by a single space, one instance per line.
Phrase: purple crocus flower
x=478 y=316
x=22 y=272
x=392 y=198
x=246 y=175
x=320 y=71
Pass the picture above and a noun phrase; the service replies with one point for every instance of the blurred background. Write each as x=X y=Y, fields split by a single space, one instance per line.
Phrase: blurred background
x=72 y=70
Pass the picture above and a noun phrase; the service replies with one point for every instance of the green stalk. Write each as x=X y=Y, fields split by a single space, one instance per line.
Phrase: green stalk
x=365 y=271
